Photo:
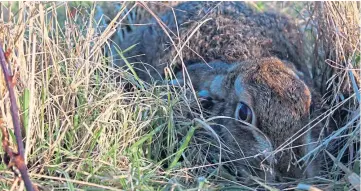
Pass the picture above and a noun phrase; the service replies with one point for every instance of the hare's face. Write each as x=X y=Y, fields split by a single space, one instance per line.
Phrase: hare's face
x=263 y=101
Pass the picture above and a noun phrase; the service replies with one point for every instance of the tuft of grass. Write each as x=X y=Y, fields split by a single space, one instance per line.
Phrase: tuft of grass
x=83 y=130
x=333 y=43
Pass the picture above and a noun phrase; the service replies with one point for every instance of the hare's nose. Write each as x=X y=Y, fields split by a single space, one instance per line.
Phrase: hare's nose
x=205 y=98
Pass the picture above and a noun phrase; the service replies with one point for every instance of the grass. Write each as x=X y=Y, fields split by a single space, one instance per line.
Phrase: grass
x=84 y=130
x=335 y=45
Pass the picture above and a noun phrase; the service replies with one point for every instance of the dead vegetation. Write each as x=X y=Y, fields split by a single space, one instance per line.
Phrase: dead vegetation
x=335 y=44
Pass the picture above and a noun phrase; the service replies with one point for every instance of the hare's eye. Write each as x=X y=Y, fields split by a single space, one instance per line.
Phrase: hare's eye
x=244 y=113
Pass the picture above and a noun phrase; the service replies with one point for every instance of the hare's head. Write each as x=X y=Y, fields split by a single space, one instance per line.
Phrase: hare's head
x=264 y=102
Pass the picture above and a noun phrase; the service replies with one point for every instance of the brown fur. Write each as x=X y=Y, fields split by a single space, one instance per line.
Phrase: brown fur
x=254 y=58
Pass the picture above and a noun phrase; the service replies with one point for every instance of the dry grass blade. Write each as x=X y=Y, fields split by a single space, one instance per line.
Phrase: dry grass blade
x=307 y=187
x=353 y=178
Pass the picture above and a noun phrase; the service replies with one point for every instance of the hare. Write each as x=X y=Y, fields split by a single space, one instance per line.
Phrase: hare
x=245 y=65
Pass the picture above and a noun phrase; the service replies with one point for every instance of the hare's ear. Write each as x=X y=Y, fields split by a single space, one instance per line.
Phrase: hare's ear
x=176 y=82
x=204 y=94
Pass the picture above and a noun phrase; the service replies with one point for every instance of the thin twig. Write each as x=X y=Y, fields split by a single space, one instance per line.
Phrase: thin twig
x=17 y=158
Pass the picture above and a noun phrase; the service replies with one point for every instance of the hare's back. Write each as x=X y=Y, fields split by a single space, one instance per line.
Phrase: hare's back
x=207 y=31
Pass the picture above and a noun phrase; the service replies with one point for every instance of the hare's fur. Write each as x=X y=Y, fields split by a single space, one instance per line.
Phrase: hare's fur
x=252 y=57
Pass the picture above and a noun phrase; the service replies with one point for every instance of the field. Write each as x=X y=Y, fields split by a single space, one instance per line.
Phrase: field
x=87 y=125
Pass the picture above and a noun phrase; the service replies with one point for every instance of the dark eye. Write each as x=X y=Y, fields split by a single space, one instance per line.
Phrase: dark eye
x=244 y=113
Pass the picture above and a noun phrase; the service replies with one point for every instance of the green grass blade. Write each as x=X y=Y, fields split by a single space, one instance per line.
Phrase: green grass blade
x=25 y=108
x=182 y=148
